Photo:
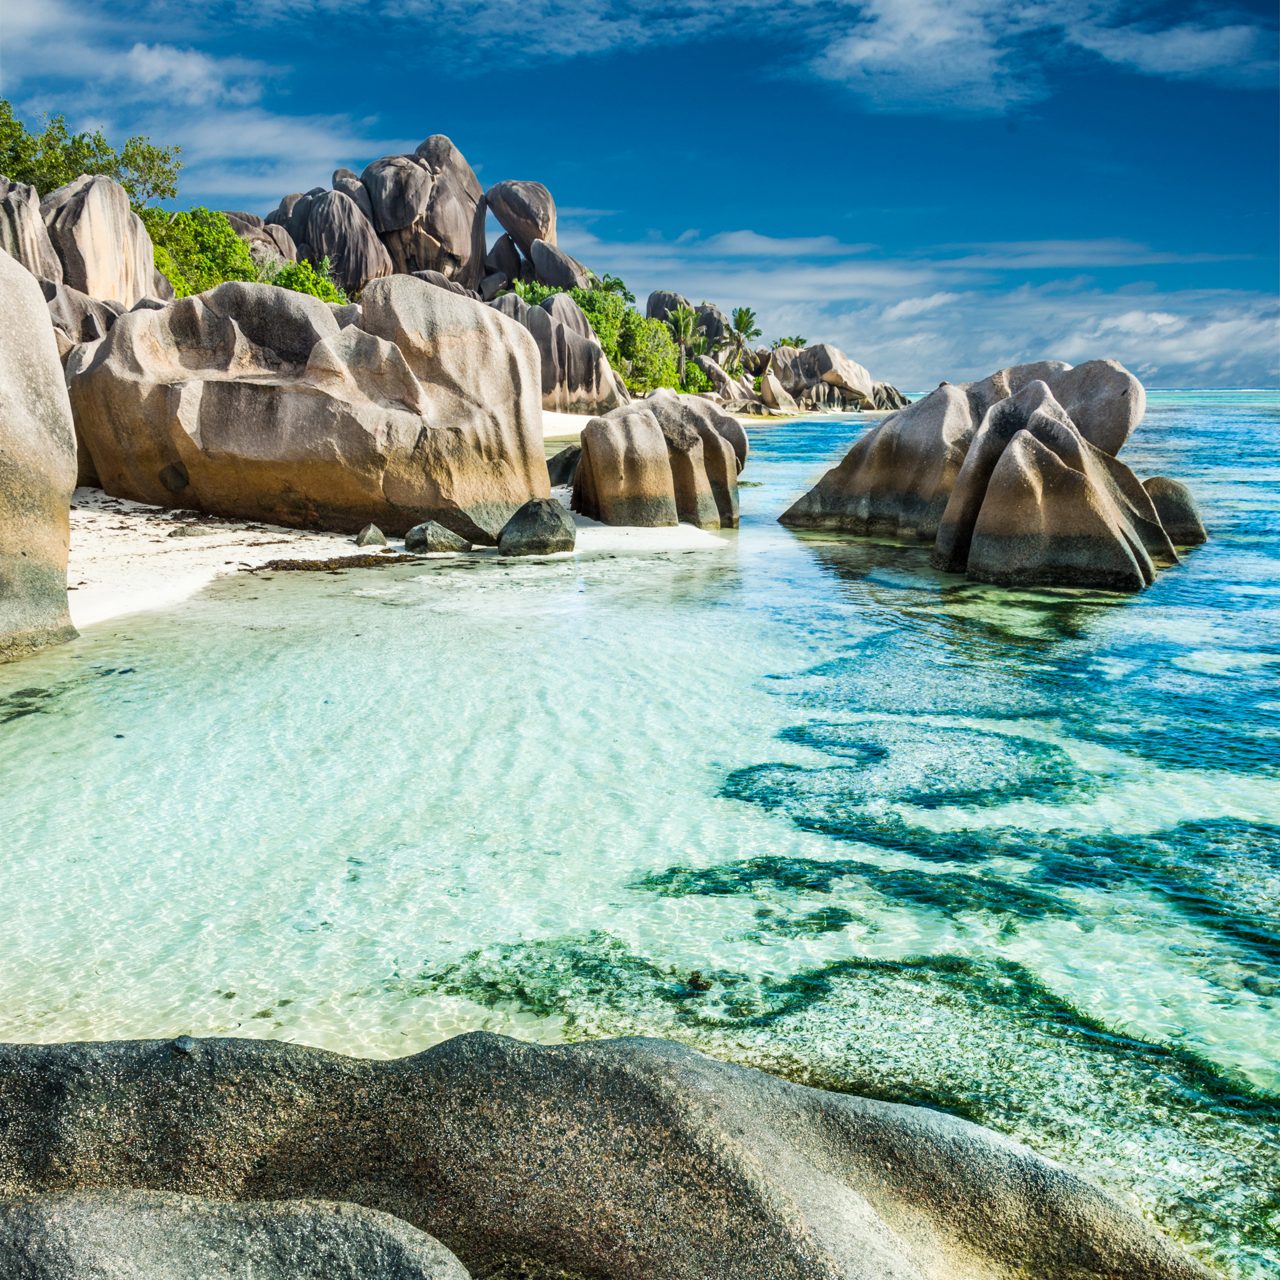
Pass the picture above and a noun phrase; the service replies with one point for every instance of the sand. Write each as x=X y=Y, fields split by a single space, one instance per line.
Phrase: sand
x=129 y=558
x=563 y=426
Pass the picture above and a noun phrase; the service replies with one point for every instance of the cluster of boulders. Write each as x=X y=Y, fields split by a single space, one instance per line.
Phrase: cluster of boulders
x=1014 y=480
x=808 y=379
x=667 y=459
x=632 y=1159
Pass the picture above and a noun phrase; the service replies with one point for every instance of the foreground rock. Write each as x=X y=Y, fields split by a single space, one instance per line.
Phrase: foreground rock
x=663 y=460
x=150 y=1235
x=252 y=401
x=102 y=244
x=1014 y=480
x=542 y=527
x=632 y=1159
x=37 y=471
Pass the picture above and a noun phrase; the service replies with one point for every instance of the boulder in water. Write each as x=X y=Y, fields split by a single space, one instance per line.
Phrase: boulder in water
x=1178 y=511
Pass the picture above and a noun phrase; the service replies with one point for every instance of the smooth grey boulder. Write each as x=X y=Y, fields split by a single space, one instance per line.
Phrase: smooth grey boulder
x=715 y=325
x=896 y=479
x=338 y=230
x=628 y=1159
x=563 y=466
x=576 y=377
x=348 y=182
x=428 y=209
x=443 y=282
x=564 y=310
x=887 y=396
x=270 y=246
x=724 y=450
x=151 y=1235
x=556 y=269
x=1104 y=400
x=23 y=235
x=662 y=302
x=102 y=244
x=775 y=395
x=1178 y=511
x=80 y=317
x=371 y=536
x=525 y=211
x=432 y=538
x=1056 y=510
x=37 y=471
x=542 y=527
x=624 y=475
x=425 y=408
x=725 y=386
x=504 y=259
x=822 y=376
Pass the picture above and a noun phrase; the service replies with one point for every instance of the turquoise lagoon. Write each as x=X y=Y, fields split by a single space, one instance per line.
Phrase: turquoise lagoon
x=802 y=802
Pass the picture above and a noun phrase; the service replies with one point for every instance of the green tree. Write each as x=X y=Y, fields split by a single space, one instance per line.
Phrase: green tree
x=742 y=331
x=647 y=355
x=605 y=309
x=197 y=249
x=302 y=277
x=614 y=284
x=55 y=156
x=789 y=342
x=682 y=321
x=694 y=379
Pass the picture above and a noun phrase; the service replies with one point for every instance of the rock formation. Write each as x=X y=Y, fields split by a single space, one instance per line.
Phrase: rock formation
x=632 y=1159
x=337 y=229
x=37 y=471
x=662 y=302
x=775 y=395
x=1177 y=510
x=823 y=377
x=525 y=210
x=151 y=1235
x=252 y=401
x=576 y=377
x=542 y=527
x=661 y=460
x=556 y=269
x=270 y=246
x=102 y=244
x=23 y=235
x=1013 y=478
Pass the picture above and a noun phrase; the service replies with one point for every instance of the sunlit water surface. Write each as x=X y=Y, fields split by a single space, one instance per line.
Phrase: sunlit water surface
x=802 y=802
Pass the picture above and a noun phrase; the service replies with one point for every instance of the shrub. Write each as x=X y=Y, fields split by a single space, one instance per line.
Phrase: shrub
x=695 y=379
x=647 y=356
x=197 y=249
x=532 y=292
x=605 y=310
x=302 y=277
x=55 y=156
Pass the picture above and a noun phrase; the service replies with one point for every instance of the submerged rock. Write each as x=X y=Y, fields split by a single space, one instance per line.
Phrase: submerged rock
x=1178 y=511
x=542 y=527
x=154 y=1235
x=37 y=471
x=425 y=407
x=633 y=1159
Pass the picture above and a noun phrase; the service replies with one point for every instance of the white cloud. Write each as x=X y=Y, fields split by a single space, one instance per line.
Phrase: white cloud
x=1234 y=53
x=188 y=76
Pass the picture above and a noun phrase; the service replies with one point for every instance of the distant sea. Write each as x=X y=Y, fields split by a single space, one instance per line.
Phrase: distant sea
x=802 y=802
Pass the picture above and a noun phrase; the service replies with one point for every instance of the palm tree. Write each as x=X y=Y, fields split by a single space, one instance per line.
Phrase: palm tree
x=790 y=342
x=742 y=330
x=683 y=323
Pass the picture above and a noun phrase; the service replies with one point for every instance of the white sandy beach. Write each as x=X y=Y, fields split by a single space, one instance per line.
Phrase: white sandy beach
x=129 y=558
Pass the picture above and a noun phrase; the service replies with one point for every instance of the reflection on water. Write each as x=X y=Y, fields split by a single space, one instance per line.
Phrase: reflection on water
x=1015 y=854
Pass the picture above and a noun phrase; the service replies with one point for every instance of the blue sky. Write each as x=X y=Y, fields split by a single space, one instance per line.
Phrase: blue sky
x=939 y=188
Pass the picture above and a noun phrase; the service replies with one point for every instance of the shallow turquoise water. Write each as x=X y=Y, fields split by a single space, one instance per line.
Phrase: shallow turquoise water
x=1016 y=854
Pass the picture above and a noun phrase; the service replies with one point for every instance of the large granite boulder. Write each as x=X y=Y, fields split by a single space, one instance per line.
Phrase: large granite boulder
x=153 y=1235
x=37 y=471
x=542 y=527
x=1035 y=502
x=1178 y=511
x=291 y=215
x=338 y=230
x=624 y=475
x=631 y=1159
x=556 y=269
x=662 y=302
x=102 y=244
x=887 y=396
x=945 y=470
x=714 y=324
x=525 y=210
x=775 y=395
x=562 y=467
x=270 y=246
x=76 y=315
x=254 y=402
x=576 y=376
x=23 y=234
x=621 y=478
x=428 y=208
x=348 y=182
x=564 y=310
x=729 y=389
x=823 y=377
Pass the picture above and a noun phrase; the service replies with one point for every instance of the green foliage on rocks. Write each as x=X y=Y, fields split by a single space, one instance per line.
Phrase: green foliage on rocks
x=789 y=342
x=302 y=277
x=695 y=380
x=648 y=358
x=54 y=156
x=197 y=249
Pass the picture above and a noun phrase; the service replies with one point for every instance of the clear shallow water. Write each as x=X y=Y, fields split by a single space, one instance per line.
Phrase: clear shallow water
x=1016 y=854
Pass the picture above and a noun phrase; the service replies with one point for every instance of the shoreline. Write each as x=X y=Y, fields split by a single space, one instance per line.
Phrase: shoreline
x=128 y=558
